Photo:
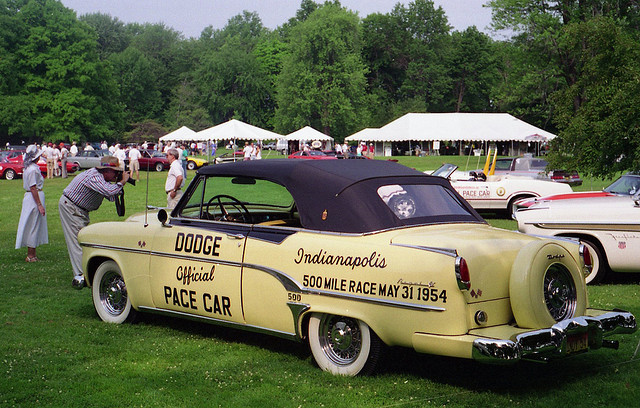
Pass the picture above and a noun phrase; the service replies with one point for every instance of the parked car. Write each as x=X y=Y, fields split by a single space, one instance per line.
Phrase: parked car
x=608 y=225
x=311 y=154
x=498 y=192
x=348 y=255
x=270 y=146
x=195 y=162
x=536 y=167
x=229 y=157
x=87 y=159
x=625 y=185
x=10 y=170
x=153 y=160
x=57 y=172
x=11 y=154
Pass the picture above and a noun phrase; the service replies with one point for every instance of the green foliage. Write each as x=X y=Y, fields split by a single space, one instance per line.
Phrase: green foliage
x=598 y=113
x=50 y=91
x=323 y=77
x=137 y=84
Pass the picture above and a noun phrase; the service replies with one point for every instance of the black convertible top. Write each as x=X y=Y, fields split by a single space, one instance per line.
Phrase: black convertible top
x=339 y=195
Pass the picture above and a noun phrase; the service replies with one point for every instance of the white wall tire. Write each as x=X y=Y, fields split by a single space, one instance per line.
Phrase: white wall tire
x=546 y=286
x=10 y=174
x=343 y=345
x=191 y=165
x=600 y=267
x=110 y=297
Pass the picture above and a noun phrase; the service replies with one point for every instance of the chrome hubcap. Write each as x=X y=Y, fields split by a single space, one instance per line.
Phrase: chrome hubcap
x=113 y=293
x=341 y=339
x=560 y=293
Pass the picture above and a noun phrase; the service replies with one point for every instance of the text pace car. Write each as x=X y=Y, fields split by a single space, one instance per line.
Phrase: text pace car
x=498 y=192
x=347 y=255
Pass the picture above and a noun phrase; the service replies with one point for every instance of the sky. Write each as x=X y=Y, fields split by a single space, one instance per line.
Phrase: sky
x=190 y=17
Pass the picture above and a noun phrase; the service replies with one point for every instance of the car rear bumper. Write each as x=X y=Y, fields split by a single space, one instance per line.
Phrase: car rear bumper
x=563 y=338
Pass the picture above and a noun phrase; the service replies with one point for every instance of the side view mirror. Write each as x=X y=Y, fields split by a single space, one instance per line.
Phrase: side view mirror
x=163 y=217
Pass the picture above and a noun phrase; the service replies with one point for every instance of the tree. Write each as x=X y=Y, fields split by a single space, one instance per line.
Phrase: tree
x=137 y=84
x=323 y=77
x=112 y=34
x=599 y=114
x=55 y=87
x=473 y=71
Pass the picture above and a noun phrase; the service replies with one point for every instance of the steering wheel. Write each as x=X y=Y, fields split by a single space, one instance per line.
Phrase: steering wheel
x=232 y=202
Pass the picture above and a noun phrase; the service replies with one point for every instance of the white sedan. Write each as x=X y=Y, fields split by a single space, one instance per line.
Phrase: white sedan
x=498 y=192
x=609 y=226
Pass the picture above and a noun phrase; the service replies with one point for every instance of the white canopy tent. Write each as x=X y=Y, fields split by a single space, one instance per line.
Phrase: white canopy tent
x=235 y=130
x=308 y=133
x=436 y=127
x=184 y=134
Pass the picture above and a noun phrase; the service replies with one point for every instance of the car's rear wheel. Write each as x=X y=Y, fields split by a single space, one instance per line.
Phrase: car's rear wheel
x=110 y=296
x=546 y=286
x=343 y=345
x=191 y=165
x=600 y=267
x=57 y=172
x=10 y=174
x=159 y=167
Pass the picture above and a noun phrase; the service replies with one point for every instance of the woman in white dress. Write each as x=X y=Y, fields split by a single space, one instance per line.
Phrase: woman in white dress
x=32 y=228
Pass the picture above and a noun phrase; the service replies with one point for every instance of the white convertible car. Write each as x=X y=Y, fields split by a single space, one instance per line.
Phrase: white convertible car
x=608 y=225
x=498 y=192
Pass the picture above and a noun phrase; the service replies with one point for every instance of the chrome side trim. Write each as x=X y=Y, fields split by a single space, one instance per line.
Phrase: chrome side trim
x=289 y=283
x=586 y=226
x=375 y=301
x=551 y=343
x=297 y=309
x=443 y=251
x=219 y=322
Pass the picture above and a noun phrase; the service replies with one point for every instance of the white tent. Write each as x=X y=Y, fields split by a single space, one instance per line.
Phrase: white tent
x=184 y=134
x=235 y=130
x=308 y=133
x=485 y=127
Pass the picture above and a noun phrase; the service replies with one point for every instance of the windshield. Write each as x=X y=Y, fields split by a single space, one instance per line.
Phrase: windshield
x=625 y=185
x=445 y=171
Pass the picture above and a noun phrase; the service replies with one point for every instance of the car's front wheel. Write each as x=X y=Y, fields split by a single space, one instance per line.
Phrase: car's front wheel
x=159 y=167
x=191 y=165
x=10 y=174
x=343 y=345
x=110 y=296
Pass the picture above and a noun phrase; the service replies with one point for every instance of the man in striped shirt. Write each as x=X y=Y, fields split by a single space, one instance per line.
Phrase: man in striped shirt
x=85 y=193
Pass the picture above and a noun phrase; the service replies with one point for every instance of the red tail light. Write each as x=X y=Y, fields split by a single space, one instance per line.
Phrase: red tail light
x=462 y=274
x=586 y=257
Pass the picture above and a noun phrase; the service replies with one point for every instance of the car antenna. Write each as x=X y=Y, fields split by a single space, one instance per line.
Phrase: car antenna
x=146 y=200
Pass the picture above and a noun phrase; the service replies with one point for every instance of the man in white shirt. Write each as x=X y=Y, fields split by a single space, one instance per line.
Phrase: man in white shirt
x=134 y=163
x=248 y=150
x=73 y=149
x=88 y=146
x=56 y=159
x=175 y=180
x=121 y=155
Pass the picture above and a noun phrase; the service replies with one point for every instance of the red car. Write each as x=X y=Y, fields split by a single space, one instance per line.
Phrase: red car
x=311 y=154
x=153 y=159
x=9 y=170
x=57 y=172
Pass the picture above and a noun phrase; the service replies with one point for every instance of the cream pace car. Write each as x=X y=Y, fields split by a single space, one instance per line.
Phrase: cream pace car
x=498 y=192
x=607 y=224
x=348 y=255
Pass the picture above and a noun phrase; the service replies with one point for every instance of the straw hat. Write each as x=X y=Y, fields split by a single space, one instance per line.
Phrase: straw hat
x=109 y=162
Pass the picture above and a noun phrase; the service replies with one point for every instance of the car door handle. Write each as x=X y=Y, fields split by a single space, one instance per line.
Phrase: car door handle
x=235 y=236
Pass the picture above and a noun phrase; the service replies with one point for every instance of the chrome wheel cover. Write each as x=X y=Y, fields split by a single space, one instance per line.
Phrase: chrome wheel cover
x=113 y=293
x=340 y=338
x=560 y=294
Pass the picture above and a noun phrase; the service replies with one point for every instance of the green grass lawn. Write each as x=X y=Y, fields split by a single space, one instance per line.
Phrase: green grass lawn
x=56 y=352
